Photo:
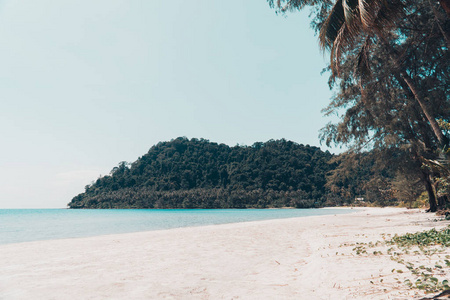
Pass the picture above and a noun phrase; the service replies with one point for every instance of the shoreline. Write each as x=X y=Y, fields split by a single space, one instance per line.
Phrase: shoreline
x=295 y=258
x=31 y=234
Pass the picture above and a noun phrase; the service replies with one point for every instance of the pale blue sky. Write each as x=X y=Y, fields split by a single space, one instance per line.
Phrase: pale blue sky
x=87 y=84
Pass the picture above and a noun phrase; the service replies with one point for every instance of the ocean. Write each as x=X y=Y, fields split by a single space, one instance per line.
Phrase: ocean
x=26 y=225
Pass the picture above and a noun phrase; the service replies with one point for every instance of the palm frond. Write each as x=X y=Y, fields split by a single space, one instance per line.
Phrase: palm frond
x=348 y=19
x=349 y=11
x=365 y=14
x=336 y=51
x=362 y=67
x=332 y=25
x=386 y=14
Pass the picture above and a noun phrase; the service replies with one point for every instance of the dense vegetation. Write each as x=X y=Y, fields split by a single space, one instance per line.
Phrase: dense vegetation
x=390 y=71
x=197 y=173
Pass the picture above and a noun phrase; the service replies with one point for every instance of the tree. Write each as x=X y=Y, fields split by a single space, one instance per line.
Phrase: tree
x=359 y=23
x=390 y=68
x=196 y=173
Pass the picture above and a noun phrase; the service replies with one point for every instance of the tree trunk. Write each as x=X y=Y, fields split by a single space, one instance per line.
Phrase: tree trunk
x=430 y=191
x=443 y=140
x=445 y=4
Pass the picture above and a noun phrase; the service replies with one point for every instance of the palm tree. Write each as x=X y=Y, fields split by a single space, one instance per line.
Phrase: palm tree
x=350 y=21
x=290 y=5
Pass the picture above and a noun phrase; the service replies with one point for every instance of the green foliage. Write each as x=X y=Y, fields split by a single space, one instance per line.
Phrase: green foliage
x=369 y=175
x=389 y=64
x=426 y=276
x=429 y=246
x=425 y=238
x=419 y=202
x=428 y=283
x=407 y=187
x=196 y=173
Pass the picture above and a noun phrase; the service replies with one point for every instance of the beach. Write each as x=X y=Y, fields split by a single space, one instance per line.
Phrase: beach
x=299 y=258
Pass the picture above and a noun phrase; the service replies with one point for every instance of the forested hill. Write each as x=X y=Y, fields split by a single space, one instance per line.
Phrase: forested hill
x=197 y=173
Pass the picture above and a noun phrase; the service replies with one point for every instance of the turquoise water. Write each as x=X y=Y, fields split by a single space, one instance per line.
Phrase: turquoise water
x=25 y=225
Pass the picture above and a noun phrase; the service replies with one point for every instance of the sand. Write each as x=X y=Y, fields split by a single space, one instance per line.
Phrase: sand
x=301 y=258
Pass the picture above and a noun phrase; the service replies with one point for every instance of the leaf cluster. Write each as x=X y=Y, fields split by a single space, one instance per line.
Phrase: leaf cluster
x=425 y=238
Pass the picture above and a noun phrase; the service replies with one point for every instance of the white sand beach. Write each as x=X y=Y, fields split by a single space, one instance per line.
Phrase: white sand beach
x=301 y=258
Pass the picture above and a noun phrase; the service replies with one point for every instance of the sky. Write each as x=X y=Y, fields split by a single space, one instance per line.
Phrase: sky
x=87 y=84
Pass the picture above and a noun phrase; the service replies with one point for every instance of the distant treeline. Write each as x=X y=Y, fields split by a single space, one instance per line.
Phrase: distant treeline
x=197 y=173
